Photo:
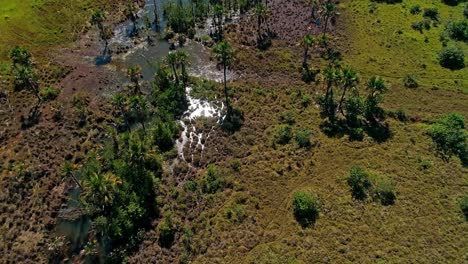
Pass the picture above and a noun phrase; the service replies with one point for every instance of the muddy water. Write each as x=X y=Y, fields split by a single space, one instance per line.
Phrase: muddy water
x=139 y=52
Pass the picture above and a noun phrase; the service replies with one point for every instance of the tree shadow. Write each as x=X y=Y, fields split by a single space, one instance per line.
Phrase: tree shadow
x=104 y=58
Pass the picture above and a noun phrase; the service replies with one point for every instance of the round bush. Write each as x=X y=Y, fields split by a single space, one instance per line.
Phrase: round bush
x=306 y=208
x=359 y=182
x=464 y=207
x=452 y=58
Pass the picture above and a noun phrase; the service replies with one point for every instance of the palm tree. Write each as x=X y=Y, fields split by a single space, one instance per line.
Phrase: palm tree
x=224 y=55
x=376 y=87
x=349 y=80
x=261 y=12
x=330 y=12
x=173 y=61
x=307 y=42
x=97 y=18
x=182 y=60
x=218 y=20
x=131 y=13
x=139 y=108
x=134 y=74
x=332 y=77
x=120 y=102
x=156 y=16
x=99 y=189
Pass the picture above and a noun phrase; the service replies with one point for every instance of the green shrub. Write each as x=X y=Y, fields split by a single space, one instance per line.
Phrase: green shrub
x=464 y=206
x=450 y=136
x=465 y=10
x=452 y=58
x=49 y=93
x=401 y=115
x=303 y=138
x=306 y=208
x=212 y=181
x=358 y=180
x=384 y=191
x=410 y=81
x=431 y=13
x=287 y=117
x=163 y=136
x=421 y=25
x=283 y=134
x=453 y=2
x=415 y=9
x=190 y=186
x=458 y=30
x=166 y=232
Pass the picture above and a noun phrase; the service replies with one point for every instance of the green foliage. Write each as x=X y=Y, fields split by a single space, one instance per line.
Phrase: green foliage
x=410 y=81
x=359 y=182
x=431 y=13
x=164 y=135
x=421 y=25
x=450 y=137
x=190 y=186
x=458 y=30
x=166 y=232
x=415 y=9
x=49 y=93
x=303 y=138
x=213 y=181
x=365 y=185
x=179 y=17
x=384 y=190
x=453 y=2
x=464 y=206
x=305 y=208
x=283 y=134
x=452 y=58
x=465 y=10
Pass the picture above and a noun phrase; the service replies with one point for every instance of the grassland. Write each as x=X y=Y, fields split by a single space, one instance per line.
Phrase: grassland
x=424 y=226
x=381 y=41
x=40 y=25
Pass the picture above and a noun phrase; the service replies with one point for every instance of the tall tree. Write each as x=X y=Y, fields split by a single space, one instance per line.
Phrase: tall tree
x=307 y=42
x=349 y=80
x=182 y=60
x=97 y=18
x=173 y=61
x=330 y=12
x=135 y=75
x=261 y=12
x=224 y=55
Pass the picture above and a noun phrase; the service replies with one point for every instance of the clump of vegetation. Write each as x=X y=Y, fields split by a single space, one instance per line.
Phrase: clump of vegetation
x=384 y=190
x=431 y=13
x=359 y=182
x=283 y=134
x=305 y=208
x=465 y=10
x=450 y=137
x=452 y=58
x=365 y=185
x=415 y=9
x=213 y=181
x=303 y=138
x=166 y=232
x=464 y=206
x=458 y=30
x=49 y=93
x=410 y=81
x=421 y=25
x=453 y=2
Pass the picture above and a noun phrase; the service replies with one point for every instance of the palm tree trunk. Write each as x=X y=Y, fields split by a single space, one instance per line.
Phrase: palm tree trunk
x=175 y=73
x=226 y=94
x=340 y=106
x=306 y=55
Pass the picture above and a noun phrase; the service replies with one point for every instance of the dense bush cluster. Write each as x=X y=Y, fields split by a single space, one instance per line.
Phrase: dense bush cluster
x=451 y=137
x=458 y=30
x=305 y=207
x=452 y=58
x=365 y=185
